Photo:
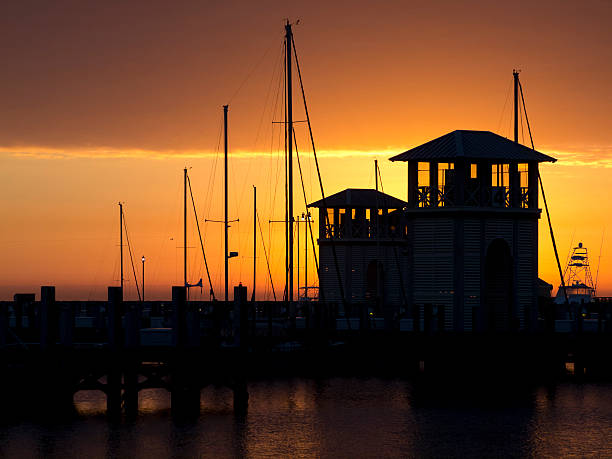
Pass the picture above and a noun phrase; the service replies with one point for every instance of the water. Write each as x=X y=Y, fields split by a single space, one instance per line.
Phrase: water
x=338 y=417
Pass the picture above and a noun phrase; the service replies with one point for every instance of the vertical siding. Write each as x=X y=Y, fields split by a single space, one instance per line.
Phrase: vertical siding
x=353 y=261
x=499 y=228
x=472 y=242
x=433 y=265
x=527 y=234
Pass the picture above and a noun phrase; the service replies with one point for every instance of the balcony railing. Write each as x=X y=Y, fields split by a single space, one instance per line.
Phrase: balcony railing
x=496 y=196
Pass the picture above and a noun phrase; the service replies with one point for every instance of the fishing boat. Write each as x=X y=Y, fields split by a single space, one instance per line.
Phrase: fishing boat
x=579 y=287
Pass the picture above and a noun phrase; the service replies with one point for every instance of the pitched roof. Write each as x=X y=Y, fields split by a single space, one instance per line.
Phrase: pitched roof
x=473 y=145
x=360 y=198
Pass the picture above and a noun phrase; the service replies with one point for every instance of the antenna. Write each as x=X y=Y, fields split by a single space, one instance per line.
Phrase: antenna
x=599 y=262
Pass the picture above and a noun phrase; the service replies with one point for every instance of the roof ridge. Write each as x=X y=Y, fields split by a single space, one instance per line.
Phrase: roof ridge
x=459 y=142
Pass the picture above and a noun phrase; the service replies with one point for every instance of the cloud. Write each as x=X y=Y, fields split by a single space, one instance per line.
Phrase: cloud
x=590 y=156
x=113 y=153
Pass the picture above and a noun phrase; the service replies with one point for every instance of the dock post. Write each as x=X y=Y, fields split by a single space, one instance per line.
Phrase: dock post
x=48 y=317
x=241 y=327
x=192 y=322
x=113 y=384
x=185 y=393
x=132 y=328
x=179 y=316
x=132 y=362
x=241 y=316
x=66 y=325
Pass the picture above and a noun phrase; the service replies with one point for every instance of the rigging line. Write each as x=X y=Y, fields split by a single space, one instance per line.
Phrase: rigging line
x=599 y=262
x=250 y=73
x=314 y=152
x=522 y=128
x=397 y=262
x=195 y=213
x=297 y=154
x=552 y=234
x=269 y=91
x=569 y=251
x=213 y=169
x=127 y=238
x=251 y=159
x=277 y=107
x=266 y=254
x=499 y=125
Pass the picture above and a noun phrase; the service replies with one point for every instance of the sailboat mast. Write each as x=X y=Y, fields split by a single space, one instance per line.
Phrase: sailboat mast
x=254 y=240
x=225 y=226
x=289 y=140
x=376 y=173
x=516 y=104
x=185 y=227
x=121 y=241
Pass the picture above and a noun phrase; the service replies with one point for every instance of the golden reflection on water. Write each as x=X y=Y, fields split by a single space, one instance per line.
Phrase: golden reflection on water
x=347 y=417
x=571 y=420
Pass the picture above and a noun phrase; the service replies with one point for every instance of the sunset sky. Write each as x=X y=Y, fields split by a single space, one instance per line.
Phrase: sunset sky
x=107 y=101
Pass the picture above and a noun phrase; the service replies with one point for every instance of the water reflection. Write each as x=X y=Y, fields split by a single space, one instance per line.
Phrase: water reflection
x=359 y=417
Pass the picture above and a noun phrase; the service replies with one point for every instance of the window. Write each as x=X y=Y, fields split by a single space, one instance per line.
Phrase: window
x=445 y=174
x=473 y=171
x=500 y=175
x=523 y=170
x=330 y=222
x=423 y=174
x=446 y=182
x=342 y=222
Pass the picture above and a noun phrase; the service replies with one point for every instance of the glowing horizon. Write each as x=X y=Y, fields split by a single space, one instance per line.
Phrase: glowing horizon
x=109 y=103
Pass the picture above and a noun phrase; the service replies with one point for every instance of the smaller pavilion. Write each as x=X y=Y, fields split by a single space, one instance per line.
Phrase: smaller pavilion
x=367 y=229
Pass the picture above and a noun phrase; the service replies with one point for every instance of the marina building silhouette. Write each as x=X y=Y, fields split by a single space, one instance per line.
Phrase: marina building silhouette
x=461 y=254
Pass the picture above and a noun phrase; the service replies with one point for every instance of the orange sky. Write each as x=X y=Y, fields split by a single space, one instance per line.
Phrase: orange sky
x=109 y=101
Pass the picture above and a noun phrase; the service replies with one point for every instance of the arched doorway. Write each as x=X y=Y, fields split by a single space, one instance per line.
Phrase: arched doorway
x=374 y=284
x=499 y=282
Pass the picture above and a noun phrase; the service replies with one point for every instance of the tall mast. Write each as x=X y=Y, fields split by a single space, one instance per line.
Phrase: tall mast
x=225 y=107
x=376 y=173
x=307 y=219
x=516 y=107
x=185 y=227
x=254 y=240
x=289 y=140
x=121 y=241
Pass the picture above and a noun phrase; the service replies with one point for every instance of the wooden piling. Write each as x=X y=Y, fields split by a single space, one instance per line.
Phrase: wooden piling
x=185 y=389
x=241 y=316
x=131 y=361
x=49 y=318
x=179 y=316
x=115 y=341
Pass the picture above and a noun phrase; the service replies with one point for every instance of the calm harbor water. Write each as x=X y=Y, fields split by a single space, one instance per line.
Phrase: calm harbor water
x=336 y=417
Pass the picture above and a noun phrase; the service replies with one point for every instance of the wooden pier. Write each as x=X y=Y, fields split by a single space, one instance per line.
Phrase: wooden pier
x=49 y=349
